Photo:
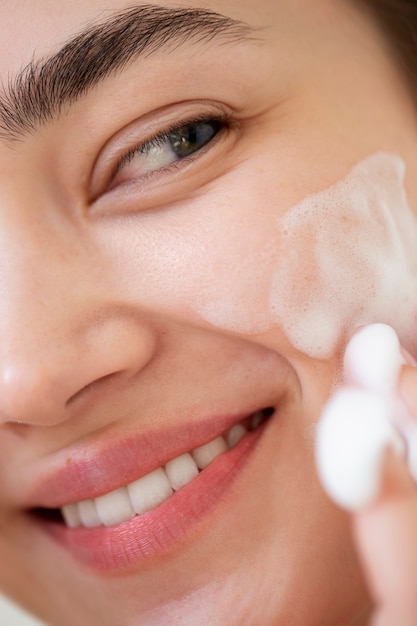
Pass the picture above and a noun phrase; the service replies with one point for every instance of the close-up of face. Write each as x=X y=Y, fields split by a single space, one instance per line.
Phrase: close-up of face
x=199 y=204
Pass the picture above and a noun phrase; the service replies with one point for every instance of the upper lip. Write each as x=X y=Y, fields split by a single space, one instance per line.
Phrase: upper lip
x=111 y=458
x=102 y=467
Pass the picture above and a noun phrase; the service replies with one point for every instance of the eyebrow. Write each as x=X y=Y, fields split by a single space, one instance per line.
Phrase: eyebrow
x=41 y=91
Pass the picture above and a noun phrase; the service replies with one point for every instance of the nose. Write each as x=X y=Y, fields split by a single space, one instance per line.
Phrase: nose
x=42 y=374
x=61 y=330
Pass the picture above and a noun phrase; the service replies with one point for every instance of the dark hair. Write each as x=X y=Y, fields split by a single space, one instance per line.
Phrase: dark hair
x=398 y=19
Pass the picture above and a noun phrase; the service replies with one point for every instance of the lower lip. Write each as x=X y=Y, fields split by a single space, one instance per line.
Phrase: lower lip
x=152 y=535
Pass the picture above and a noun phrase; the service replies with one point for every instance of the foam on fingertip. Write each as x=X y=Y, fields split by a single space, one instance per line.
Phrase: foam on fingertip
x=363 y=419
x=352 y=436
x=373 y=358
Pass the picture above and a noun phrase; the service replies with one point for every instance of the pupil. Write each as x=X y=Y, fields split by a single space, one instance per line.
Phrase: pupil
x=192 y=137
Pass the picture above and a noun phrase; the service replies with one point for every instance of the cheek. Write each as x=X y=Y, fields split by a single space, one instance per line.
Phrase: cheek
x=337 y=260
x=209 y=260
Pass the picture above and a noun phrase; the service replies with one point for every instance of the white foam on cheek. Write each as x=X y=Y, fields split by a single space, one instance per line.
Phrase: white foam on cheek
x=350 y=258
x=339 y=259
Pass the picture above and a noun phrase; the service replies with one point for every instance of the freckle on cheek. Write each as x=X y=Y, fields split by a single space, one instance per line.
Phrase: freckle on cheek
x=339 y=259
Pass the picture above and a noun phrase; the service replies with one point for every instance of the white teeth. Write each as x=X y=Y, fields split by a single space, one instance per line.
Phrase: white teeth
x=88 y=514
x=181 y=471
x=114 y=507
x=204 y=455
x=71 y=515
x=149 y=491
x=235 y=434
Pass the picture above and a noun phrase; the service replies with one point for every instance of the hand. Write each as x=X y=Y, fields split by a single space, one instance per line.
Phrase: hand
x=386 y=533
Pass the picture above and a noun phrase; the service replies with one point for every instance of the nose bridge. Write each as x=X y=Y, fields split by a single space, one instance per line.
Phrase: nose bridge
x=58 y=335
x=35 y=324
x=34 y=269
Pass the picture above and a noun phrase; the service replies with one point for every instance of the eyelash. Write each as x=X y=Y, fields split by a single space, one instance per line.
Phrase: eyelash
x=159 y=139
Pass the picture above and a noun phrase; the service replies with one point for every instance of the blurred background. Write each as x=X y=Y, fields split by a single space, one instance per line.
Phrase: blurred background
x=10 y=615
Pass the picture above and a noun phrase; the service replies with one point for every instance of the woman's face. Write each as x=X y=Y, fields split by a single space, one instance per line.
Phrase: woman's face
x=185 y=207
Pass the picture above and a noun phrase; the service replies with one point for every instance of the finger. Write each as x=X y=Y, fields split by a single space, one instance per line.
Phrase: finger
x=386 y=536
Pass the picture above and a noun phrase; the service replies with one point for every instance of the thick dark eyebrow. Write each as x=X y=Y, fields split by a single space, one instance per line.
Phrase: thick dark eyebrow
x=44 y=87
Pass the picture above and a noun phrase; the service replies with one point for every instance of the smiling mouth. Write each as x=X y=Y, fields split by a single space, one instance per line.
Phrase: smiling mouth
x=146 y=493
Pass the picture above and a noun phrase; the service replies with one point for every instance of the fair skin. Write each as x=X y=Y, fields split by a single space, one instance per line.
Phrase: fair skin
x=105 y=362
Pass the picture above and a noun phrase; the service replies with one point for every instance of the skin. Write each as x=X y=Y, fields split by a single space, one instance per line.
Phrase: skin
x=323 y=94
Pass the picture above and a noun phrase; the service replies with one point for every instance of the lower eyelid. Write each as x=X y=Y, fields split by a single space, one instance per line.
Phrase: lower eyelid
x=159 y=189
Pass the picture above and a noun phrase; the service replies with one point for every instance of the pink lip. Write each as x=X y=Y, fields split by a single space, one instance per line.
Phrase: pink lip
x=107 y=465
x=152 y=534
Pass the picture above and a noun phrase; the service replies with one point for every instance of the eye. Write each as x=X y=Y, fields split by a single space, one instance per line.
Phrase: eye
x=165 y=150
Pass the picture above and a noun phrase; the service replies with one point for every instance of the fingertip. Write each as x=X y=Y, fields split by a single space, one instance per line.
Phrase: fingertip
x=373 y=358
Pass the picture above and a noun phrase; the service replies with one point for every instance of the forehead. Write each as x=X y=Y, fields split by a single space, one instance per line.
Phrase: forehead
x=32 y=30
